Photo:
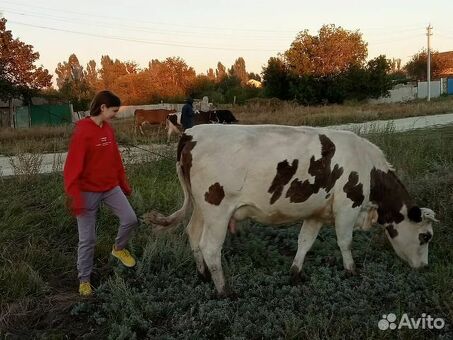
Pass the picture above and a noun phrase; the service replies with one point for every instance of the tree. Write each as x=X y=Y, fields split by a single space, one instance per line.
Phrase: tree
x=19 y=76
x=333 y=51
x=211 y=74
x=379 y=82
x=111 y=70
x=92 y=76
x=70 y=70
x=276 y=79
x=170 y=79
x=72 y=83
x=254 y=76
x=416 y=67
x=220 y=72
x=239 y=71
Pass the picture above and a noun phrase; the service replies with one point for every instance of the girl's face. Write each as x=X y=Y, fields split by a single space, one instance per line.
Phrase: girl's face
x=108 y=113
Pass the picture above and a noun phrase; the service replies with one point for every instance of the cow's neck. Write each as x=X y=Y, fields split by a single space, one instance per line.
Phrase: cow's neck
x=387 y=191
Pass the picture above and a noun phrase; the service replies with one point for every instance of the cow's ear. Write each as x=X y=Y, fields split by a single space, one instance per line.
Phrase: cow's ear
x=415 y=214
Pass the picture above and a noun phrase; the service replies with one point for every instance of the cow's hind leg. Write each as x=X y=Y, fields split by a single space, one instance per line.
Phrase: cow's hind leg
x=307 y=236
x=212 y=238
x=344 y=224
x=194 y=230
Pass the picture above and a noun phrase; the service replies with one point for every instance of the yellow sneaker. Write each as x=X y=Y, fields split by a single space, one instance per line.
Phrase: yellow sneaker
x=124 y=256
x=85 y=289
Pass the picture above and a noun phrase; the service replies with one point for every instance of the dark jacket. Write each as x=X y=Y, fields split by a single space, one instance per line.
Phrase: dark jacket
x=187 y=116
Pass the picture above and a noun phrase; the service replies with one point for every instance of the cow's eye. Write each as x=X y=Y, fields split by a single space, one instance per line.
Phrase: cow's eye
x=424 y=237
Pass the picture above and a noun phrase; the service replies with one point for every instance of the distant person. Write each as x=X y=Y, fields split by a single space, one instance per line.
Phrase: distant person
x=94 y=173
x=204 y=105
x=187 y=114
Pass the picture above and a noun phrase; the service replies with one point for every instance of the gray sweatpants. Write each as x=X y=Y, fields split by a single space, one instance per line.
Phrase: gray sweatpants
x=86 y=222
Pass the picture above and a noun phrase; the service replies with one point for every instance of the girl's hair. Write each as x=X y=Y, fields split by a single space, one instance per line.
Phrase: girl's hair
x=103 y=97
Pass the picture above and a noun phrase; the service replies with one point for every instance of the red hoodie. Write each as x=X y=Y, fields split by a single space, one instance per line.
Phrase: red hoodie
x=93 y=163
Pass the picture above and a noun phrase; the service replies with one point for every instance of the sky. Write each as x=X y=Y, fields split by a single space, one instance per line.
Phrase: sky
x=205 y=32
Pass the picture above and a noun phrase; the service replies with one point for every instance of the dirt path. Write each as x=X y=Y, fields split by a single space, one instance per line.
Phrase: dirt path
x=51 y=162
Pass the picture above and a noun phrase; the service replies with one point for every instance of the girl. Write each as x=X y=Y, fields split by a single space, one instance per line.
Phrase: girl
x=94 y=173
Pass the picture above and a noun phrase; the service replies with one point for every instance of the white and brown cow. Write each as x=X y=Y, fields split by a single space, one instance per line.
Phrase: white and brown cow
x=281 y=174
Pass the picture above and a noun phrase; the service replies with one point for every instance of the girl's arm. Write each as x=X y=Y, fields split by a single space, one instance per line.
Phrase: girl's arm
x=122 y=179
x=72 y=170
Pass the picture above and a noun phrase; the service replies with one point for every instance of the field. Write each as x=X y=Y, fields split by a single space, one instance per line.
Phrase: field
x=55 y=139
x=163 y=298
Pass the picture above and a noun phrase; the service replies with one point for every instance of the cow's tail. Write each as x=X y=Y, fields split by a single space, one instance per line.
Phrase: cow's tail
x=161 y=222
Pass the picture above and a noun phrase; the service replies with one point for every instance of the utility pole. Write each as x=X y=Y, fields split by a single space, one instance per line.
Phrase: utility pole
x=429 y=34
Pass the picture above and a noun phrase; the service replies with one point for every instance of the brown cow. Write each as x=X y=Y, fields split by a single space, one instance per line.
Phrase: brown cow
x=153 y=117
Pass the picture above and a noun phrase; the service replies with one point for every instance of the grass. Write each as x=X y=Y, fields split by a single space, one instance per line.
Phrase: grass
x=288 y=113
x=264 y=111
x=162 y=297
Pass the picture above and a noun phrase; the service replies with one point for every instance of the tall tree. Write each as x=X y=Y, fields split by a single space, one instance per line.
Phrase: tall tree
x=220 y=72
x=239 y=71
x=331 y=52
x=92 y=76
x=379 y=80
x=416 y=67
x=72 y=83
x=111 y=70
x=170 y=79
x=19 y=76
x=211 y=74
x=276 y=79
x=69 y=71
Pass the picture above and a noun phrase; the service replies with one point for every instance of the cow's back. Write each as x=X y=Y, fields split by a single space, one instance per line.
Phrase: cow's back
x=270 y=166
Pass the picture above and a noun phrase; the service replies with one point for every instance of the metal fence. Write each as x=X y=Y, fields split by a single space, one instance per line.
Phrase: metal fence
x=38 y=115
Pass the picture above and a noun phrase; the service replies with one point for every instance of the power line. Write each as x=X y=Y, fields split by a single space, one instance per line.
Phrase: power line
x=395 y=40
x=155 y=22
x=143 y=29
x=162 y=43
x=401 y=28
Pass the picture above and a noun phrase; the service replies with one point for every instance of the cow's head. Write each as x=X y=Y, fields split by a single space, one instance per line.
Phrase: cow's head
x=410 y=237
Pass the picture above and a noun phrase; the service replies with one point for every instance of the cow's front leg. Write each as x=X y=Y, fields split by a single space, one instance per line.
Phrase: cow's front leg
x=307 y=236
x=344 y=224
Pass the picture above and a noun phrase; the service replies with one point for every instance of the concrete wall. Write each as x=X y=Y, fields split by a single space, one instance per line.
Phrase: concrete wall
x=400 y=93
x=423 y=89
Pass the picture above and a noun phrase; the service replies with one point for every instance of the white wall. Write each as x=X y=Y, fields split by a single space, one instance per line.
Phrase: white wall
x=400 y=93
x=423 y=89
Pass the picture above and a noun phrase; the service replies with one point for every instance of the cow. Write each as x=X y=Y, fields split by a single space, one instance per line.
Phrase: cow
x=173 y=123
x=225 y=117
x=153 y=117
x=282 y=174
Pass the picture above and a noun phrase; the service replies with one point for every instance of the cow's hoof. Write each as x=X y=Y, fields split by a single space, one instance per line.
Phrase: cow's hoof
x=297 y=276
x=228 y=293
x=204 y=277
x=351 y=272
